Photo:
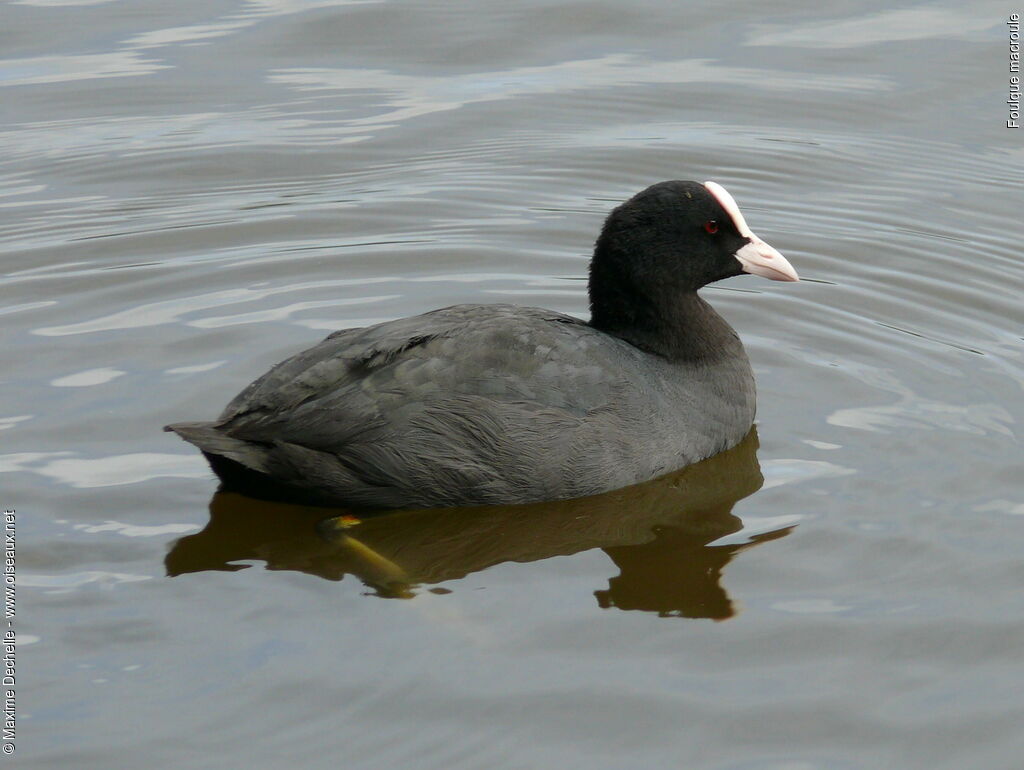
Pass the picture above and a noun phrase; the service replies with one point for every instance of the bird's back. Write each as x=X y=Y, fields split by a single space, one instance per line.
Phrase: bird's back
x=477 y=404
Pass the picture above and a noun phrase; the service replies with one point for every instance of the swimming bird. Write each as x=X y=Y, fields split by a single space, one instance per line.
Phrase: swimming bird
x=500 y=404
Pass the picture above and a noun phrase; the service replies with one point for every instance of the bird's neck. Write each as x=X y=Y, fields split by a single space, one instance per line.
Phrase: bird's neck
x=678 y=325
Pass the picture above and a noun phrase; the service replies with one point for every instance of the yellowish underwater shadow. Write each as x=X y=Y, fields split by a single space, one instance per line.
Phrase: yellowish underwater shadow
x=658 y=534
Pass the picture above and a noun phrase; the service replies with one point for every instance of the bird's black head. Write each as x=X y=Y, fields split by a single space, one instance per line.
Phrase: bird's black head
x=663 y=244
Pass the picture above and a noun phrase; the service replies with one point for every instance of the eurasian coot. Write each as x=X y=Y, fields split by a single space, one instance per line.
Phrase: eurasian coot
x=476 y=404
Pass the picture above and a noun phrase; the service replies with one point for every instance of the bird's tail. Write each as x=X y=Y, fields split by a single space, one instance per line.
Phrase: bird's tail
x=214 y=441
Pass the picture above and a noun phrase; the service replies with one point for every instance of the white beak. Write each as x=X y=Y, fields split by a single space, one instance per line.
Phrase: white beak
x=757 y=257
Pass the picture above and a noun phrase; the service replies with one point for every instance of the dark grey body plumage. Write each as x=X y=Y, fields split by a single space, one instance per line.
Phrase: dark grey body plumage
x=479 y=404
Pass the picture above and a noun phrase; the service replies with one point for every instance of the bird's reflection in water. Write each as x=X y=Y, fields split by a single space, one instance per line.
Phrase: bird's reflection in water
x=656 y=533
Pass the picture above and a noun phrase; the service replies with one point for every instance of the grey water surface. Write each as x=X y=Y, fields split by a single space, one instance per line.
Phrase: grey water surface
x=191 y=191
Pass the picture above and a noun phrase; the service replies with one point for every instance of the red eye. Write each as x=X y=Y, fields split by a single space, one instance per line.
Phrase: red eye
x=711 y=227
